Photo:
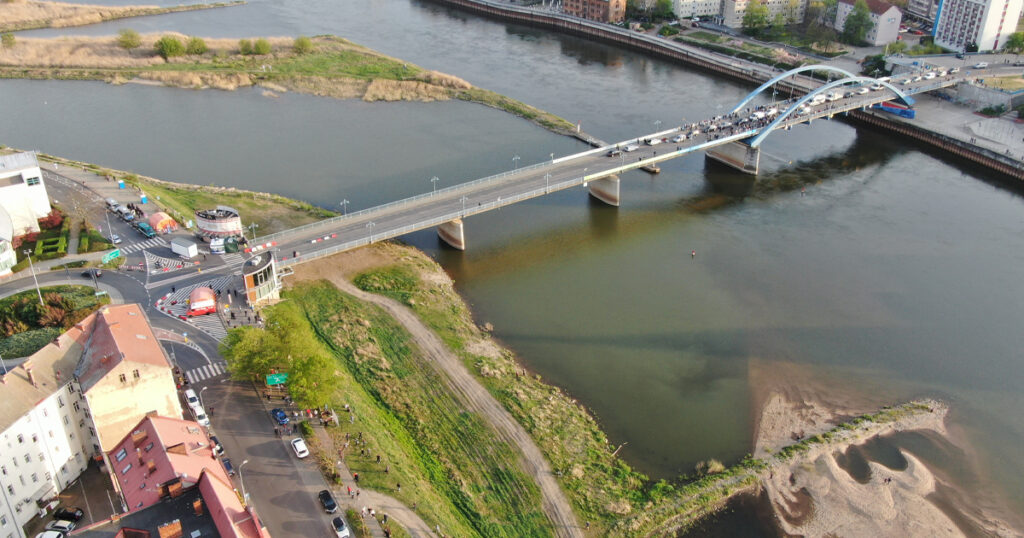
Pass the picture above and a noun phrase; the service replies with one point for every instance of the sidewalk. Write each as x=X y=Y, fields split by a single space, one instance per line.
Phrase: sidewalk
x=44 y=266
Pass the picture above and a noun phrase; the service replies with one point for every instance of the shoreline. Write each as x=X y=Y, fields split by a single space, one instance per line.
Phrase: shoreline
x=97 y=14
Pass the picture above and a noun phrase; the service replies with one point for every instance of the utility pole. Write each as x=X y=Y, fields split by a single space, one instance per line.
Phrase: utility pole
x=29 y=254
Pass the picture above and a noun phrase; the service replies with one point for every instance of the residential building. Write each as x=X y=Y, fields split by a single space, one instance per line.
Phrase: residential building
x=165 y=458
x=960 y=24
x=8 y=256
x=124 y=374
x=734 y=10
x=696 y=8
x=44 y=444
x=22 y=191
x=885 y=20
x=923 y=10
x=596 y=10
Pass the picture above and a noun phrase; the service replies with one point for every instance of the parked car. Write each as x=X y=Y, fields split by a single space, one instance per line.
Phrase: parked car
x=115 y=239
x=280 y=416
x=191 y=399
x=93 y=272
x=61 y=525
x=69 y=514
x=50 y=534
x=299 y=446
x=228 y=468
x=340 y=528
x=327 y=501
x=614 y=152
x=201 y=417
x=218 y=450
x=146 y=230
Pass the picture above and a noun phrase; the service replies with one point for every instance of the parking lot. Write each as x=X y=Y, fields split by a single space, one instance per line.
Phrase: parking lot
x=92 y=492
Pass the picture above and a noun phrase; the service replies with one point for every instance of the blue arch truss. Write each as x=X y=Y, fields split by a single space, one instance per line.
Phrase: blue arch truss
x=787 y=74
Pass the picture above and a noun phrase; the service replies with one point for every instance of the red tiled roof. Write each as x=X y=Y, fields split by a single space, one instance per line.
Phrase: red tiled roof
x=232 y=519
x=120 y=333
x=877 y=7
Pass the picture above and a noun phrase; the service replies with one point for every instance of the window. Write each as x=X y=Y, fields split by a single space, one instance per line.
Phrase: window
x=126 y=469
x=10 y=489
x=35 y=477
x=28 y=459
x=71 y=388
x=149 y=446
x=123 y=378
x=21 y=438
x=135 y=374
x=41 y=456
x=92 y=432
x=75 y=405
x=45 y=412
x=63 y=469
x=35 y=438
x=60 y=401
x=3 y=520
x=4 y=468
x=30 y=181
x=48 y=476
x=22 y=478
x=121 y=455
x=67 y=421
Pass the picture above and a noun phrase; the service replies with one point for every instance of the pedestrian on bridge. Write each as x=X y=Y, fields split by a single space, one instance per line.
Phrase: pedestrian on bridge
x=693 y=253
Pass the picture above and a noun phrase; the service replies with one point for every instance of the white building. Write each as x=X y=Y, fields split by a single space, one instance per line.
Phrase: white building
x=697 y=8
x=22 y=191
x=8 y=256
x=44 y=444
x=923 y=9
x=985 y=23
x=885 y=20
x=732 y=11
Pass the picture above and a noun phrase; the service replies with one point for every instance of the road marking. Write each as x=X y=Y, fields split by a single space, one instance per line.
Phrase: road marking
x=196 y=375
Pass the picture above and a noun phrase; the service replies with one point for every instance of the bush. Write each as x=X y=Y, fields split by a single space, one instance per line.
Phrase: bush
x=261 y=47
x=51 y=220
x=169 y=47
x=8 y=40
x=245 y=46
x=196 y=46
x=128 y=39
x=993 y=111
x=303 y=45
x=668 y=30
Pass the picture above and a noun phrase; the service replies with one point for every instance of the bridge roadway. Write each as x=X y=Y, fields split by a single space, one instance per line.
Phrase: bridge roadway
x=430 y=209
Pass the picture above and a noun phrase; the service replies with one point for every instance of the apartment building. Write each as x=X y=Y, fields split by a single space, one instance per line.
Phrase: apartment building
x=985 y=23
x=23 y=191
x=733 y=10
x=596 y=10
x=885 y=20
x=924 y=10
x=697 y=8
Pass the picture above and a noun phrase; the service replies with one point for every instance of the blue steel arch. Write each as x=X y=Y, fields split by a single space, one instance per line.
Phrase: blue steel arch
x=787 y=74
x=756 y=141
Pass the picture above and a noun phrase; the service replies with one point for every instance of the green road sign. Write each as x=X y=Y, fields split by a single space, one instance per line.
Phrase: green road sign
x=111 y=255
x=277 y=379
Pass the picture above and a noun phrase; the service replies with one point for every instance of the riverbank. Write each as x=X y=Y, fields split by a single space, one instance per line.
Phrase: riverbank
x=21 y=15
x=332 y=67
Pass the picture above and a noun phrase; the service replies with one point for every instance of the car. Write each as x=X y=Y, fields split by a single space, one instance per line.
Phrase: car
x=959 y=56
x=299 y=446
x=679 y=138
x=981 y=65
x=614 y=152
x=280 y=416
x=652 y=141
x=862 y=90
x=115 y=239
x=340 y=528
x=907 y=81
x=876 y=86
x=631 y=147
x=69 y=514
x=327 y=501
x=61 y=525
x=929 y=75
x=191 y=399
x=89 y=273
x=954 y=70
x=218 y=449
x=228 y=468
x=916 y=78
x=50 y=534
x=201 y=417
x=146 y=230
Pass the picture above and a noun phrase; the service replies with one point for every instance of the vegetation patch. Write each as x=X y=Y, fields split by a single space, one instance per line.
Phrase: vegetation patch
x=26 y=325
x=29 y=14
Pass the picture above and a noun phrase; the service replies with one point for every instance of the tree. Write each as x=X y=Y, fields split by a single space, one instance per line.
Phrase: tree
x=755 y=19
x=793 y=11
x=195 y=46
x=778 y=29
x=128 y=39
x=663 y=10
x=1015 y=43
x=169 y=46
x=896 y=47
x=857 y=24
x=303 y=45
x=8 y=40
x=245 y=46
x=261 y=47
x=245 y=350
x=830 y=8
x=813 y=14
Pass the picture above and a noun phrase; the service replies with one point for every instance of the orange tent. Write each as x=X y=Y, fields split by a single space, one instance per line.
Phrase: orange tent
x=162 y=222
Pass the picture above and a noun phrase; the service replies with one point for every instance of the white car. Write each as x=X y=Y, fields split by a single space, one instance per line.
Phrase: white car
x=929 y=75
x=61 y=526
x=50 y=534
x=862 y=90
x=340 y=528
x=299 y=446
x=981 y=65
x=191 y=399
x=679 y=138
x=876 y=86
x=201 y=417
x=115 y=239
x=631 y=147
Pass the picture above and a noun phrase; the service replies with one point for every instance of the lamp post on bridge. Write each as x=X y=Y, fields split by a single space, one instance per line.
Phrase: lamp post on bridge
x=252 y=228
x=547 y=182
x=515 y=162
x=370 y=226
x=657 y=125
x=433 y=182
x=464 y=200
x=344 y=207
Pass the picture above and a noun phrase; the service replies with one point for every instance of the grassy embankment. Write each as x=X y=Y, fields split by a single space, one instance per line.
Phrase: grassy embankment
x=26 y=326
x=17 y=15
x=334 y=67
x=448 y=461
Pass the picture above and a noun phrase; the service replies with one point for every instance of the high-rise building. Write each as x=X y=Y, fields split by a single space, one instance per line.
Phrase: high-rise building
x=959 y=24
x=922 y=9
x=596 y=10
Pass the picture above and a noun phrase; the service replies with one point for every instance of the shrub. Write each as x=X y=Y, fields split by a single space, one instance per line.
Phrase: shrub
x=261 y=47
x=998 y=110
x=51 y=220
x=245 y=46
x=303 y=45
x=8 y=40
x=128 y=39
x=169 y=47
x=668 y=30
x=195 y=46
x=711 y=466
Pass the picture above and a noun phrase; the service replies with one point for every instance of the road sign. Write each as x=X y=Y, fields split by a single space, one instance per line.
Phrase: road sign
x=111 y=255
x=276 y=379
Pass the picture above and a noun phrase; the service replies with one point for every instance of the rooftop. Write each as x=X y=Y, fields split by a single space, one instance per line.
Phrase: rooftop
x=121 y=333
x=877 y=7
x=18 y=161
x=150 y=520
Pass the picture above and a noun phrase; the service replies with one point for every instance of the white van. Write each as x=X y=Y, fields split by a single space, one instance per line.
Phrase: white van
x=111 y=204
x=191 y=399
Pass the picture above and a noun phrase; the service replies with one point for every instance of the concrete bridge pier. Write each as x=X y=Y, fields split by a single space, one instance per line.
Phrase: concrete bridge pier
x=452 y=233
x=739 y=155
x=605 y=189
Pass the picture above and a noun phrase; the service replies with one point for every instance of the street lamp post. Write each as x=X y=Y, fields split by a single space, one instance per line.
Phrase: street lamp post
x=33 y=268
x=344 y=207
x=252 y=228
x=370 y=225
x=433 y=182
x=547 y=182
x=201 y=400
x=515 y=162
x=657 y=125
x=241 y=480
x=464 y=200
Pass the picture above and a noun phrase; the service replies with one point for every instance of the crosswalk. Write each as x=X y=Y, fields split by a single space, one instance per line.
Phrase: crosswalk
x=202 y=373
x=160 y=264
x=142 y=245
x=175 y=305
x=233 y=258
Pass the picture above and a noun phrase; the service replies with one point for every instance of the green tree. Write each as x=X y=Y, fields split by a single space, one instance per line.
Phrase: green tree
x=195 y=46
x=1015 y=42
x=857 y=24
x=793 y=12
x=813 y=14
x=778 y=29
x=245 y=46
x=8 y=40
x=896 y=47
x=245 y=350
x=128 y=39
x=755 y=18
x=169 y=46
x=261 y=47
x=830 y=8
x=303 y=45
x=311 y=380
x=663 y=10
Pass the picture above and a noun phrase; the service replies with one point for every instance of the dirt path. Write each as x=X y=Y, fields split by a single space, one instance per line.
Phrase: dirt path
x=477 y=399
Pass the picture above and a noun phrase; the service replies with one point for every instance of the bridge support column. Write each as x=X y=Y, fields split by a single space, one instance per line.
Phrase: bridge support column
x=451 y=232
x=605 y=189
x=738 y=155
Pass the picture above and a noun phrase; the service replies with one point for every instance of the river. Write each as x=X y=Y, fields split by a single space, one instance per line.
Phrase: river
x=897 y=272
